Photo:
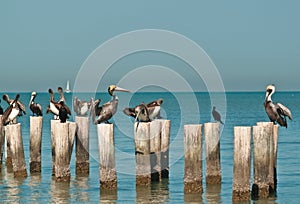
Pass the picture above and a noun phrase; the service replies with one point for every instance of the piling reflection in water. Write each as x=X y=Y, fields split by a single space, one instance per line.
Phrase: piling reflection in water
x=34 y=183
x=60 y=192
x=81 y=184
x=14 y=191
x=108 y=196
x=157 y=192
x=213 y=193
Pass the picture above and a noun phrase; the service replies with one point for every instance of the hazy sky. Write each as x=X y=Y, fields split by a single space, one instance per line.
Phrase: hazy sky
x=44 y=43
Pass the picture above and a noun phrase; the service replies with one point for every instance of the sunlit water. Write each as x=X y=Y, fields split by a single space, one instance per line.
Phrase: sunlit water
x=242 y=109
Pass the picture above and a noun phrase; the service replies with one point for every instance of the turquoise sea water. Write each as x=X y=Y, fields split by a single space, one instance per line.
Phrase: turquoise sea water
x=181 y=108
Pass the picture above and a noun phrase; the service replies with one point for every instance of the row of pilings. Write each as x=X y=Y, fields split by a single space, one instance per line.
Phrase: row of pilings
x=152 y=140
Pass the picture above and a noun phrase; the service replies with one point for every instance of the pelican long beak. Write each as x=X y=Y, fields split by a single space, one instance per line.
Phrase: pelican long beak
x=121 y=89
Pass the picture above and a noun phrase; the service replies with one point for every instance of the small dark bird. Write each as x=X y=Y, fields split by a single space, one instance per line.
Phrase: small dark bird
x=11 y=113
x=277 y=113
x=36 y=108
x=63 y=112
x=216 y=115
x=19 y=103
x=1 y=109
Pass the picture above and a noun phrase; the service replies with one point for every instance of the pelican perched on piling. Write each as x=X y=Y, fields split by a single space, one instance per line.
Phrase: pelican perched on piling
x=80 y=107
x=110 y=108
x=63 y=112
x=19 y=103
x=62 y=98
x=143 y=112
x=216 y=115
x=53 y=106
x=95 y=109
x=154 y=109
x=277 y=113
x=140 y=113
x=12 y=111
x=36 y=108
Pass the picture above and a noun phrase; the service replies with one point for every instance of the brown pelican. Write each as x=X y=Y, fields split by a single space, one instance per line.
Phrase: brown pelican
x=95 y=109
x=11 y=113
x=277 y=113
x=1 y=109
x=63 y=112
x=110 y=108
x=19 y=103
x=216 y=115
x=53 y=106
x=80 y=107
x=139 y=113
x=154 y=109
x=62 y=98
x=36 y=108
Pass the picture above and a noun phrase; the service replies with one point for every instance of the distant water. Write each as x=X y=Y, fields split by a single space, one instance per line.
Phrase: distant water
x=242 y=109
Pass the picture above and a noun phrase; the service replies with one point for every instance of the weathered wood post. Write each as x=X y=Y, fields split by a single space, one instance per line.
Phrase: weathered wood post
x=263 y=156
x=193 y=159
x=242 y=164
x=1 y=141
x=36 y=124
x=15 y=143
x=165 y=143
x=64 y=140
x=108 y=174
x=269 y=128
x=155 y=149
x=53 y=133
x=142 y=153
x=212 y=149
x=275 y=139
x=82 y=145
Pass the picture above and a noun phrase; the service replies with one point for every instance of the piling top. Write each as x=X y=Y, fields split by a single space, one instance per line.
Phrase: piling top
x=264 y=123
x=192 y=125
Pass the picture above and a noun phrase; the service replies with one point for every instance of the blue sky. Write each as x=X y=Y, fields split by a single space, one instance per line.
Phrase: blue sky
x=44 y=43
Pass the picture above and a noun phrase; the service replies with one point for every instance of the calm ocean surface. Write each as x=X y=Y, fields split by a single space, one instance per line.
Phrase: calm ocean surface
x=243 y=109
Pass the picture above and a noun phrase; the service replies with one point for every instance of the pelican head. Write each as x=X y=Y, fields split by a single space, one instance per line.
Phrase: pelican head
x=5 y=97
x=269 y=91
x=113 y=88
x=33 y=93
x=159 y=101
x=60 y=90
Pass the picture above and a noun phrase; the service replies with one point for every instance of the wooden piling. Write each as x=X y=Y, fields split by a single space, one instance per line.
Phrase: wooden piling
x=275 y=139
x=142 y=153
x=53 y=133
x=64 y=139
x=36 y=124
x=242 y=164
x=15 y=143
x=269 y=128
x=212 y=149
x=155 y=150
x=1 y=141
x=193 y=159
x=263 y=160
x=108 y=174
x=165 y=143
x=82 y=145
